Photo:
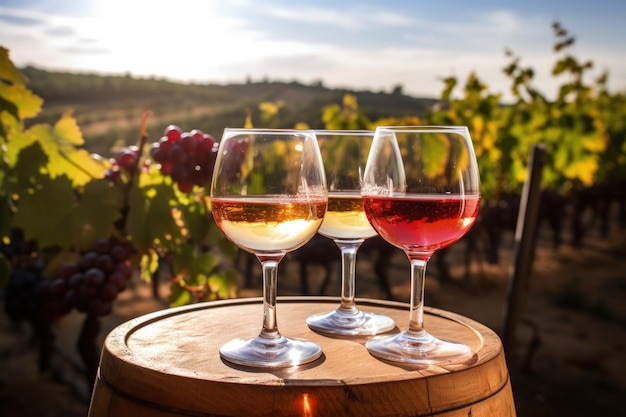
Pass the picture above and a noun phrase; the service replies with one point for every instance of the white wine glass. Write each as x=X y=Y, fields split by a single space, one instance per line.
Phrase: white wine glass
x=268 y=196
x=344 y=153
x=421 y=194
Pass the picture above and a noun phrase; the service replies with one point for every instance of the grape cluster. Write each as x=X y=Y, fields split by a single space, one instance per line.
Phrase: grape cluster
x=92 y=284
x=25 y=293
x=187 y=157
x=125 y=160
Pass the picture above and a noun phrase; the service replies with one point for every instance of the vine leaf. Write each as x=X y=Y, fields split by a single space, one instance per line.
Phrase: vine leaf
x=44 y=214
x=197 y=218
x=224 y=284
x=63 y=158
x=99 y=207
x=179 y=296
x=150 y=218
x=56 y=215
x=192 y=266
x=67 y=130
x=24 y=104
x=26 y=164
x=8 y=71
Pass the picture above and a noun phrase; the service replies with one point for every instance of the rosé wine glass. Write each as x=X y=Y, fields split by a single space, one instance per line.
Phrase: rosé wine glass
x=421 y=193
x=268 y=196
x=344 y=153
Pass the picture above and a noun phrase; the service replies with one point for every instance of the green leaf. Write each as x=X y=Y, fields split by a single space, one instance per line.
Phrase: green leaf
x=179 y=296
x=183 y=261
x=44 y=214
x=18 y=141
x=194 y=265
x=205 y=262
x=224 y=283
x=149 y=264
x=97 y=211
x=26 y=167
x=54 y=216
x=150 y=220
x=196 y=217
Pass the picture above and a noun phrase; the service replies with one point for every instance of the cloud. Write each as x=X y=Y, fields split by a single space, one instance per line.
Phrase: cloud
x=358 y=43
x=358 y=19
x=295 y=64
x=386 y=18
x=84 y=50
x=61 y=31
x=19 y=19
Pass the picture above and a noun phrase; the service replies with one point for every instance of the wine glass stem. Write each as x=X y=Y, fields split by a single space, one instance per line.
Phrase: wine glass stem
x=348 y=273
x=270 y=275
x=418 y=280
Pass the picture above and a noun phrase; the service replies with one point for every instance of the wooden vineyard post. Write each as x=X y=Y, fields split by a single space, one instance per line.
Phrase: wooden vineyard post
x=524 y=248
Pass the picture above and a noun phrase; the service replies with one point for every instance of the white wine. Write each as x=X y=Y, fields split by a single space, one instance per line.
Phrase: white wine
x=268 y=224
x=345 y=218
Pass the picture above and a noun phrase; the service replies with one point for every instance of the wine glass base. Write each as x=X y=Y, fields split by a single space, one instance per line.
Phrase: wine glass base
x=350 y=323
x=423 y=350
x=262 y=352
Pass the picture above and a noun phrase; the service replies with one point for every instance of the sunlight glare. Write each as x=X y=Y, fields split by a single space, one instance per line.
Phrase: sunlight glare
x=185 y=41
x=307 y=406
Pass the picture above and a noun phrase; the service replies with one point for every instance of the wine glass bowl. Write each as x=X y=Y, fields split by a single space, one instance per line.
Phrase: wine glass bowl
x=268 y=196
x=421 y=194
x=344 y=153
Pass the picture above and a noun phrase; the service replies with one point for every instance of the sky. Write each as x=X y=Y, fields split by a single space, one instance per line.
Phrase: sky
x=356 y=44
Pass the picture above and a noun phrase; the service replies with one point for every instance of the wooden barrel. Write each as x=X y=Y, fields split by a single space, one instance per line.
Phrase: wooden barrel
x=167 y=364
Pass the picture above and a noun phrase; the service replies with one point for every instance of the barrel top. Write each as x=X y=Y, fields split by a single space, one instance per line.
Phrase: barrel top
x=167 y=364
x=185 y=342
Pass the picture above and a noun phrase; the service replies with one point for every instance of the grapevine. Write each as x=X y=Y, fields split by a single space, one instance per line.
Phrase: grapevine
x=96 y=221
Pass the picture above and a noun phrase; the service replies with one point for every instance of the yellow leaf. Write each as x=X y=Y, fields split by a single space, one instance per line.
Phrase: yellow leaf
x=268 y=108
x=149 y=264
x=78 y=165
x=582 y=169
x=595 y=142
x=478 y=126
x=248 y=123
x=518 y=171
x=26 y=103
x=350 y=101
x=67 y=130
x=8 y=71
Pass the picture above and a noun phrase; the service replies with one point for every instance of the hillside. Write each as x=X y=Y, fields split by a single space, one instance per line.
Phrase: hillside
x=108 y=108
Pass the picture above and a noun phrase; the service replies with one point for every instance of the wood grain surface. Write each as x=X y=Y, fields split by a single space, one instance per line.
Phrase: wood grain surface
x=167 y=364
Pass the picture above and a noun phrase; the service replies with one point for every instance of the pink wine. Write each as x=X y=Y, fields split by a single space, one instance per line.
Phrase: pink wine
x=268 y=224
x=423 y=223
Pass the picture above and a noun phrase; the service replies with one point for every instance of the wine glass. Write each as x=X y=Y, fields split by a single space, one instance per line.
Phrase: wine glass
x=421 y=194
x=344 y=153
x=268 y=196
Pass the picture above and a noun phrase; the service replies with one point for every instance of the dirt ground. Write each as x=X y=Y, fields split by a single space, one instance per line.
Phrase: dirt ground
x=569 y=357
